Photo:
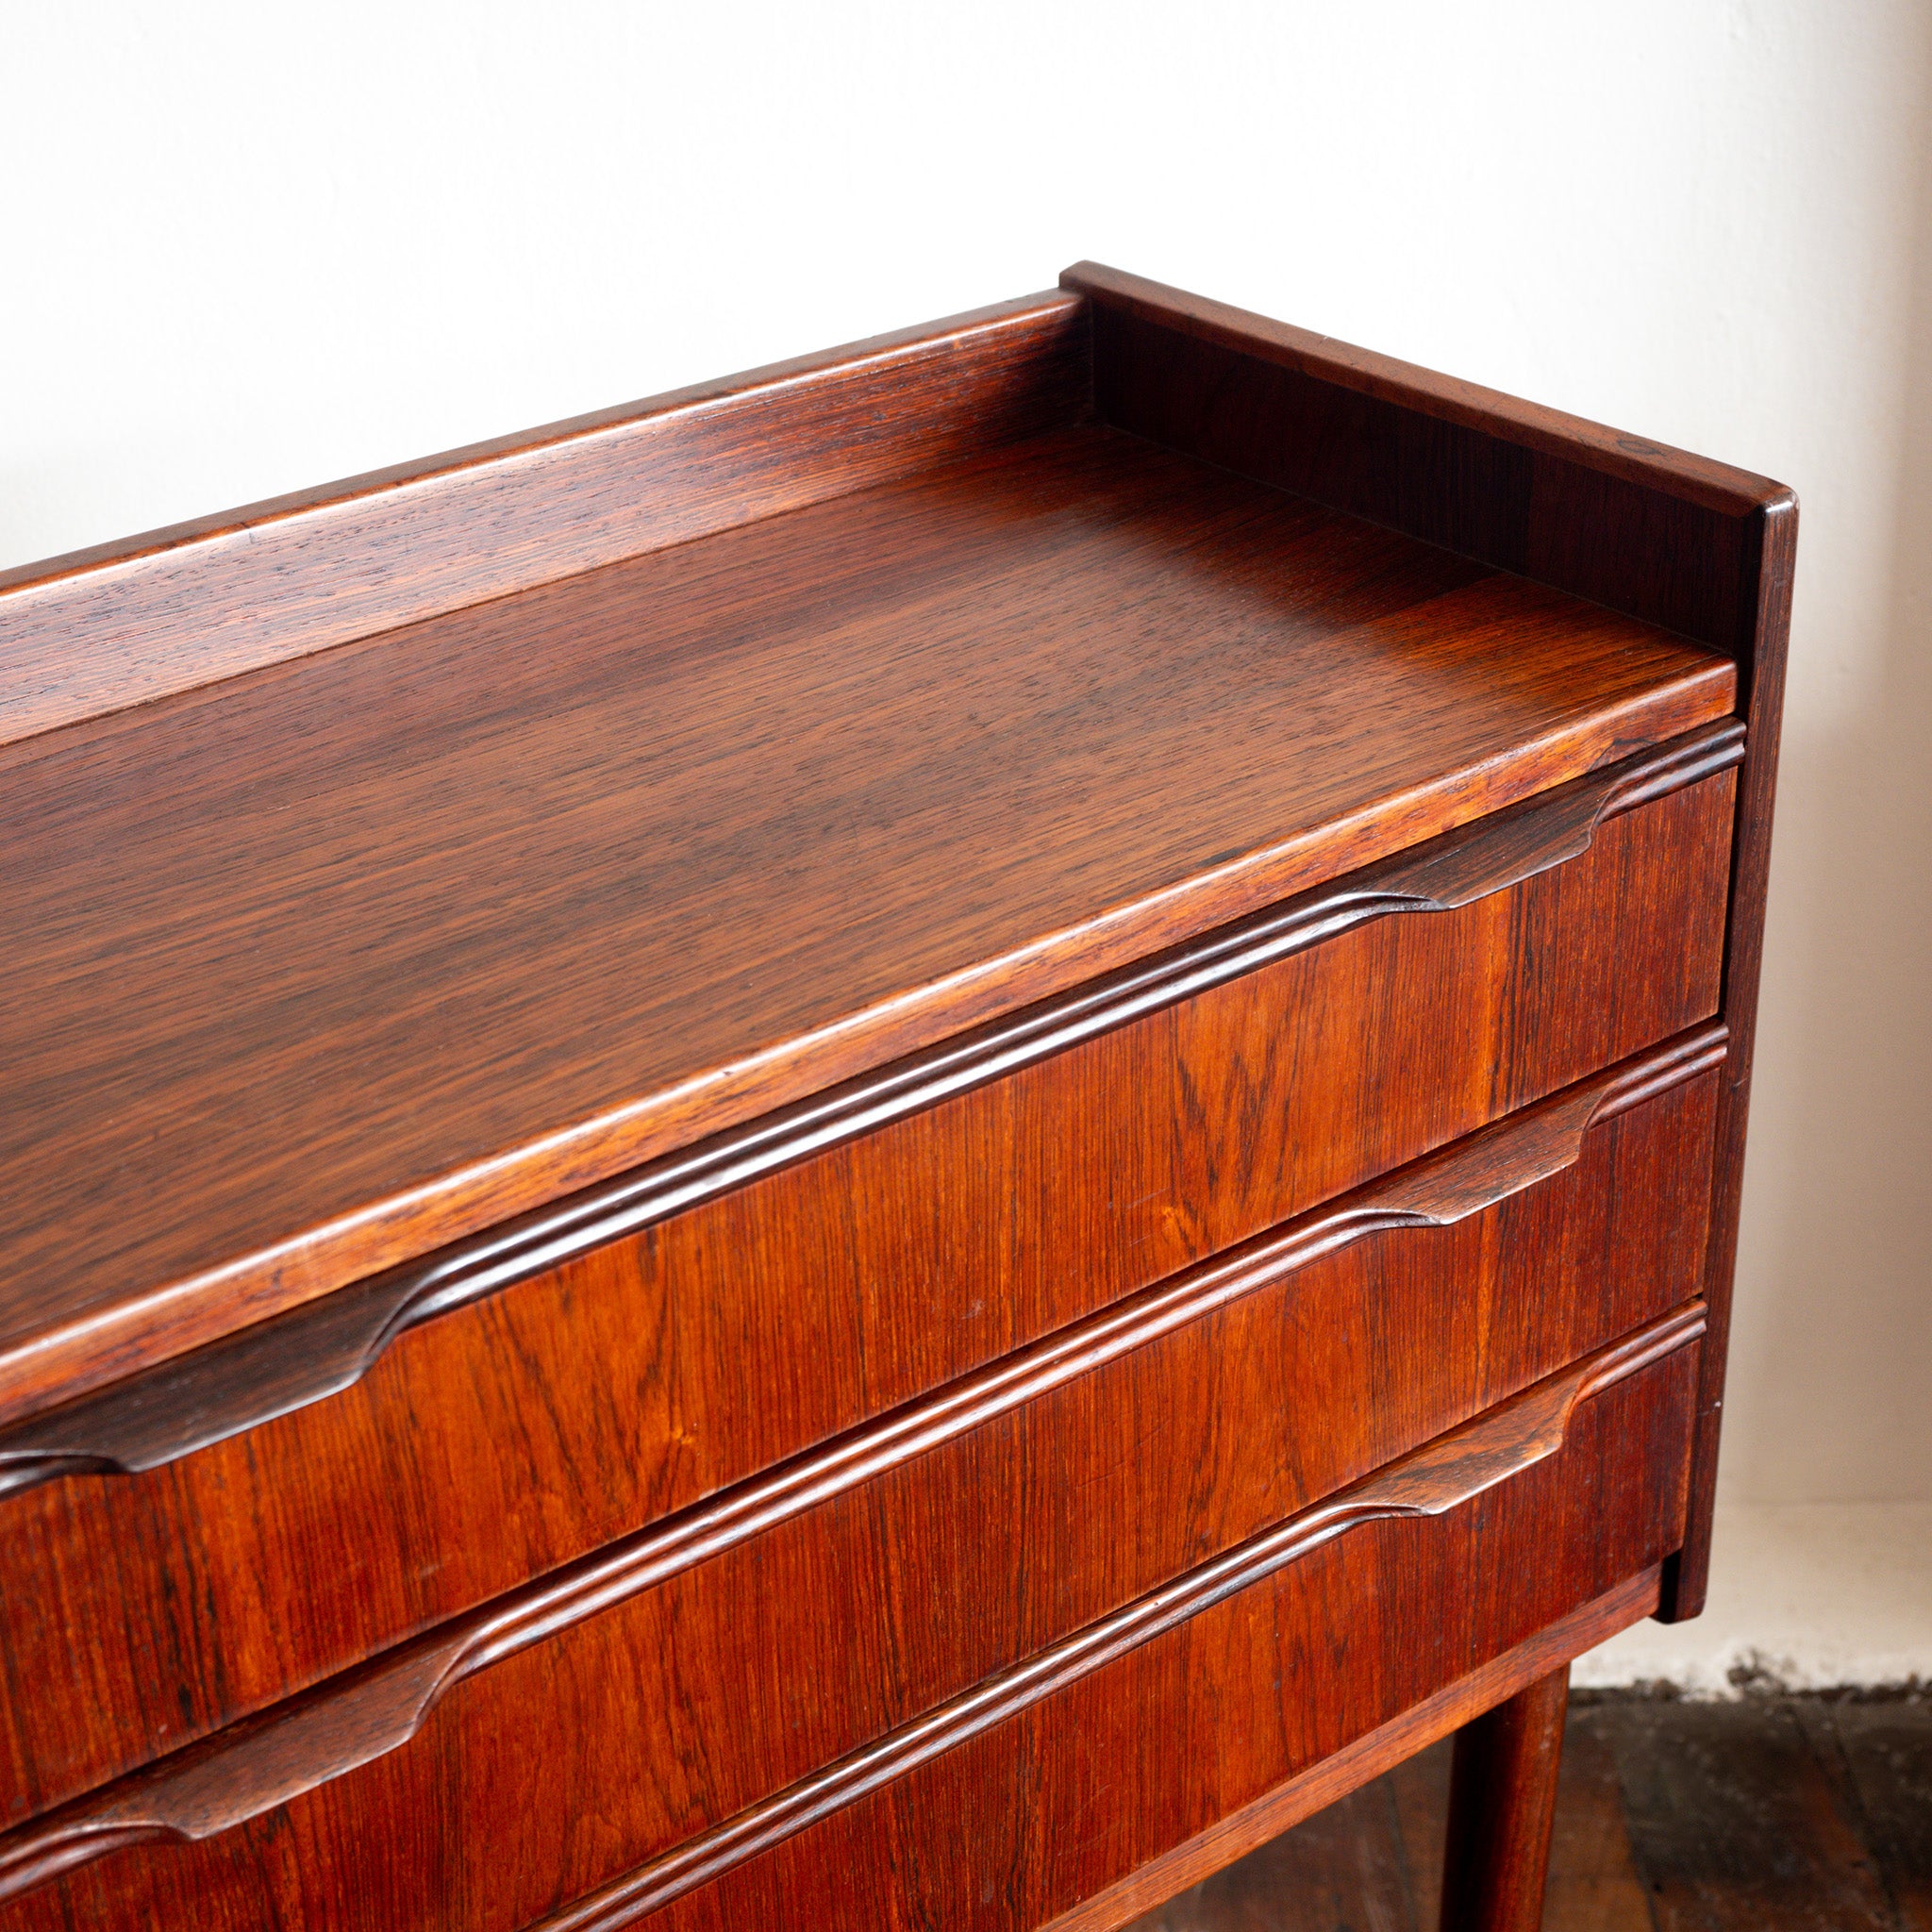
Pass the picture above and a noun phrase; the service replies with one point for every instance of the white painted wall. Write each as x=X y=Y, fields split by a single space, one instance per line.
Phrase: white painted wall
x=243 y=249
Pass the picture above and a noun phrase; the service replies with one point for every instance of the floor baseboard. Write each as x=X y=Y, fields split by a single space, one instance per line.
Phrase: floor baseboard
x=1803 y=1596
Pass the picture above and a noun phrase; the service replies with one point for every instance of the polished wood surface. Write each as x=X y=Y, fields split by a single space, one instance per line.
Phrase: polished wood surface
x=94 y=633
x=1427 y=1599
x=1185 y=1178
x=1084 y=1178
x=1551 y=1255
x=891 y=1145
x=1228 y=1846
x=504 y=1854
x=1502 y=1804
x=1768 y=578
x=1626 y=521
x=393 y=943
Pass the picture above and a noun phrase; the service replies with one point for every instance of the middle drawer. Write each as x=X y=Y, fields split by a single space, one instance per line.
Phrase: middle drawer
x=442 y=1464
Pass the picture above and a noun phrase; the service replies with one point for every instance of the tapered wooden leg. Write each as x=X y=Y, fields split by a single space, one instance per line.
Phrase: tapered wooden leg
x=1502 y=1803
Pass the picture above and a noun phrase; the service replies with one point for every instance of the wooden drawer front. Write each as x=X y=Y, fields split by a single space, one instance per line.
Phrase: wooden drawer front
x=1017 y=1823
x=538 y=1423
x=686 y=1674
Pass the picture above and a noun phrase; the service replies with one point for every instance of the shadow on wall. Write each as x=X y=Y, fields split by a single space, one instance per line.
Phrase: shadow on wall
x=1831 y=1374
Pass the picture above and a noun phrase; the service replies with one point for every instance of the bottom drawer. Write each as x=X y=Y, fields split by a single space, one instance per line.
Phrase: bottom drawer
x=1009 y=1807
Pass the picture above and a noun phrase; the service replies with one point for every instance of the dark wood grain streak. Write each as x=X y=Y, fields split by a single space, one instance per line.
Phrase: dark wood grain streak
x=204 y=1794
x=373 y=951
x=1676 y=539
x=1554 y=1271
x=130 y=621
x=1502 y=1804
x=600 y=1395
x=325 y=1347
x=1368 y=1757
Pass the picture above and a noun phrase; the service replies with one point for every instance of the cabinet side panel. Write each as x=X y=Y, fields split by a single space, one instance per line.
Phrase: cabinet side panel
x=1769 y=568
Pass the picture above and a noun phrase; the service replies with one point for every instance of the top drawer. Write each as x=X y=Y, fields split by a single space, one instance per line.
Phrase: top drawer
x=225 y=1530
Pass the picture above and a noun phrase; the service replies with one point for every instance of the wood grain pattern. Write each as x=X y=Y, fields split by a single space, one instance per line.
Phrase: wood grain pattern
x=1780 y=1851
x=1771 y=555
x=1549 y=1267
x=258 y=1373
x=208 y=1797
x=387 y=946
x=1248 y=1691
x=647 y=1373
x=1724 y=1824
x=1669 y=536
x=1885 y=1749
x=1502 y=1804
x=1435 y=1480
x=1370 y=1756
x=134 y=621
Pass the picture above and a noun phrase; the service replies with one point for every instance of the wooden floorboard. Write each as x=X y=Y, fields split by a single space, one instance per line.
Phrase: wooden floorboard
x=1887 y=1770
x=1768 y=1815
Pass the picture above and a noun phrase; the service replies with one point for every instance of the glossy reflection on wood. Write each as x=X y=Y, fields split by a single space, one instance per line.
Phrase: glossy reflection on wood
x=893 y=1263
x=1399 y=1752
x=1247 y=1692
x=1502 y=1804
x=127 y=623
x=1492 y=1254
x=263 y=1372
x=1673 y=538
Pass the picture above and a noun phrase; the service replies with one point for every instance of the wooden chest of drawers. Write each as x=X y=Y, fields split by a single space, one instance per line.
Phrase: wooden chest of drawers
x=899 y=1144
